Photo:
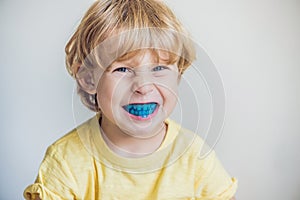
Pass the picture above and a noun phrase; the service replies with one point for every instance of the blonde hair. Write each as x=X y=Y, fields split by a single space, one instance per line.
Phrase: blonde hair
x=146 y=24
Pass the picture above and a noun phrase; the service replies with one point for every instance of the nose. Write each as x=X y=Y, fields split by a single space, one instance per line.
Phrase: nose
x=142 y=84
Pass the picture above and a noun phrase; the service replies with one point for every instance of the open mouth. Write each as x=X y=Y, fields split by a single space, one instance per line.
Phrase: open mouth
x=143 y=110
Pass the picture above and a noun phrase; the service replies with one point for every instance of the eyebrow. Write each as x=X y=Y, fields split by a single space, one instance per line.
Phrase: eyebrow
x=107 y=69
x=133 y=62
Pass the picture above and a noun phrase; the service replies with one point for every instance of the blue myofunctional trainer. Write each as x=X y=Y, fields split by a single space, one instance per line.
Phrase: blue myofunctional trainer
x=141 y=110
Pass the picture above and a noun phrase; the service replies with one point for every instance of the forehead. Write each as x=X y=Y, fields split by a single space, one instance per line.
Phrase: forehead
x=123 y=45
x=148 y=55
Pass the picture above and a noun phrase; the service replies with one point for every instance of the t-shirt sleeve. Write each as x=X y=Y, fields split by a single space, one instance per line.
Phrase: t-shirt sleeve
x=212 y=181
x=54 y=180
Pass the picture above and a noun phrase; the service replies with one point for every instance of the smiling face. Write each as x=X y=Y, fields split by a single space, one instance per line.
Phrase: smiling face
x=137 y=93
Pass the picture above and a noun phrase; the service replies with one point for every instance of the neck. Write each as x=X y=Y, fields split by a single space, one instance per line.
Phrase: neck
x=130 y=145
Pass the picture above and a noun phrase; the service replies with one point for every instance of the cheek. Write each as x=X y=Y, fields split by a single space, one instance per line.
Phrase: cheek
x=111 y=91
x=169 y=99
x=170 y=87
x=170 y=80
x=103 y=98
x=104 y=93
x=170 y=94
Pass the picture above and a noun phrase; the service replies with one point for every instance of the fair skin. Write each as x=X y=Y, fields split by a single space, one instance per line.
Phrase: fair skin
x=141 y=80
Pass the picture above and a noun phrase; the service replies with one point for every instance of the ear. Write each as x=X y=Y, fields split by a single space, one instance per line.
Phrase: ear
x=86 y=80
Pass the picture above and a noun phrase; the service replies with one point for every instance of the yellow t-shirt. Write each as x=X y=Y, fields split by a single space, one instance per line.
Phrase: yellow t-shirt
x=81 y=166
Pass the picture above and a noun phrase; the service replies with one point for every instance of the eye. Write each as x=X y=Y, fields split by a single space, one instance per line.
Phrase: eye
x=122 y=69
x=159 y=68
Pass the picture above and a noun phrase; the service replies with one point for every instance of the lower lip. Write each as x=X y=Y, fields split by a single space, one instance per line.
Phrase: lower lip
x=139 y=118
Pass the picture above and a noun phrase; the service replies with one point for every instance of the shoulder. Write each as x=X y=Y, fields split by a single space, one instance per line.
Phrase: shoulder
x=70 y=144
x=210 y=179
x=189 y=147
x=186 y=139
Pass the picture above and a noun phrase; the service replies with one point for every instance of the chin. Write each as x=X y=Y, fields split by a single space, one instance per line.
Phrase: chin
x=141 y=129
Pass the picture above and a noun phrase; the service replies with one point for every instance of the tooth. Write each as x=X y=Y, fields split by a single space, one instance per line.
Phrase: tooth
x=150 y=111
x=139 y=107
x=147 y=107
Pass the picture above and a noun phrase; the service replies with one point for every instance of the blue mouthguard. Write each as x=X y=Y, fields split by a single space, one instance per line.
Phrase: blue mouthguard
x=141 y=110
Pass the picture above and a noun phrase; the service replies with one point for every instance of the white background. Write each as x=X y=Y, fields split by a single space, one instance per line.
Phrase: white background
x=255 y=45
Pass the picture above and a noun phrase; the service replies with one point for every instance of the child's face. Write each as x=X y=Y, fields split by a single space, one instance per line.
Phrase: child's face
x=137 y=94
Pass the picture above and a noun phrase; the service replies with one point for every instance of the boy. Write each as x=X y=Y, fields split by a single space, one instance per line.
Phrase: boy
x=127 y=57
